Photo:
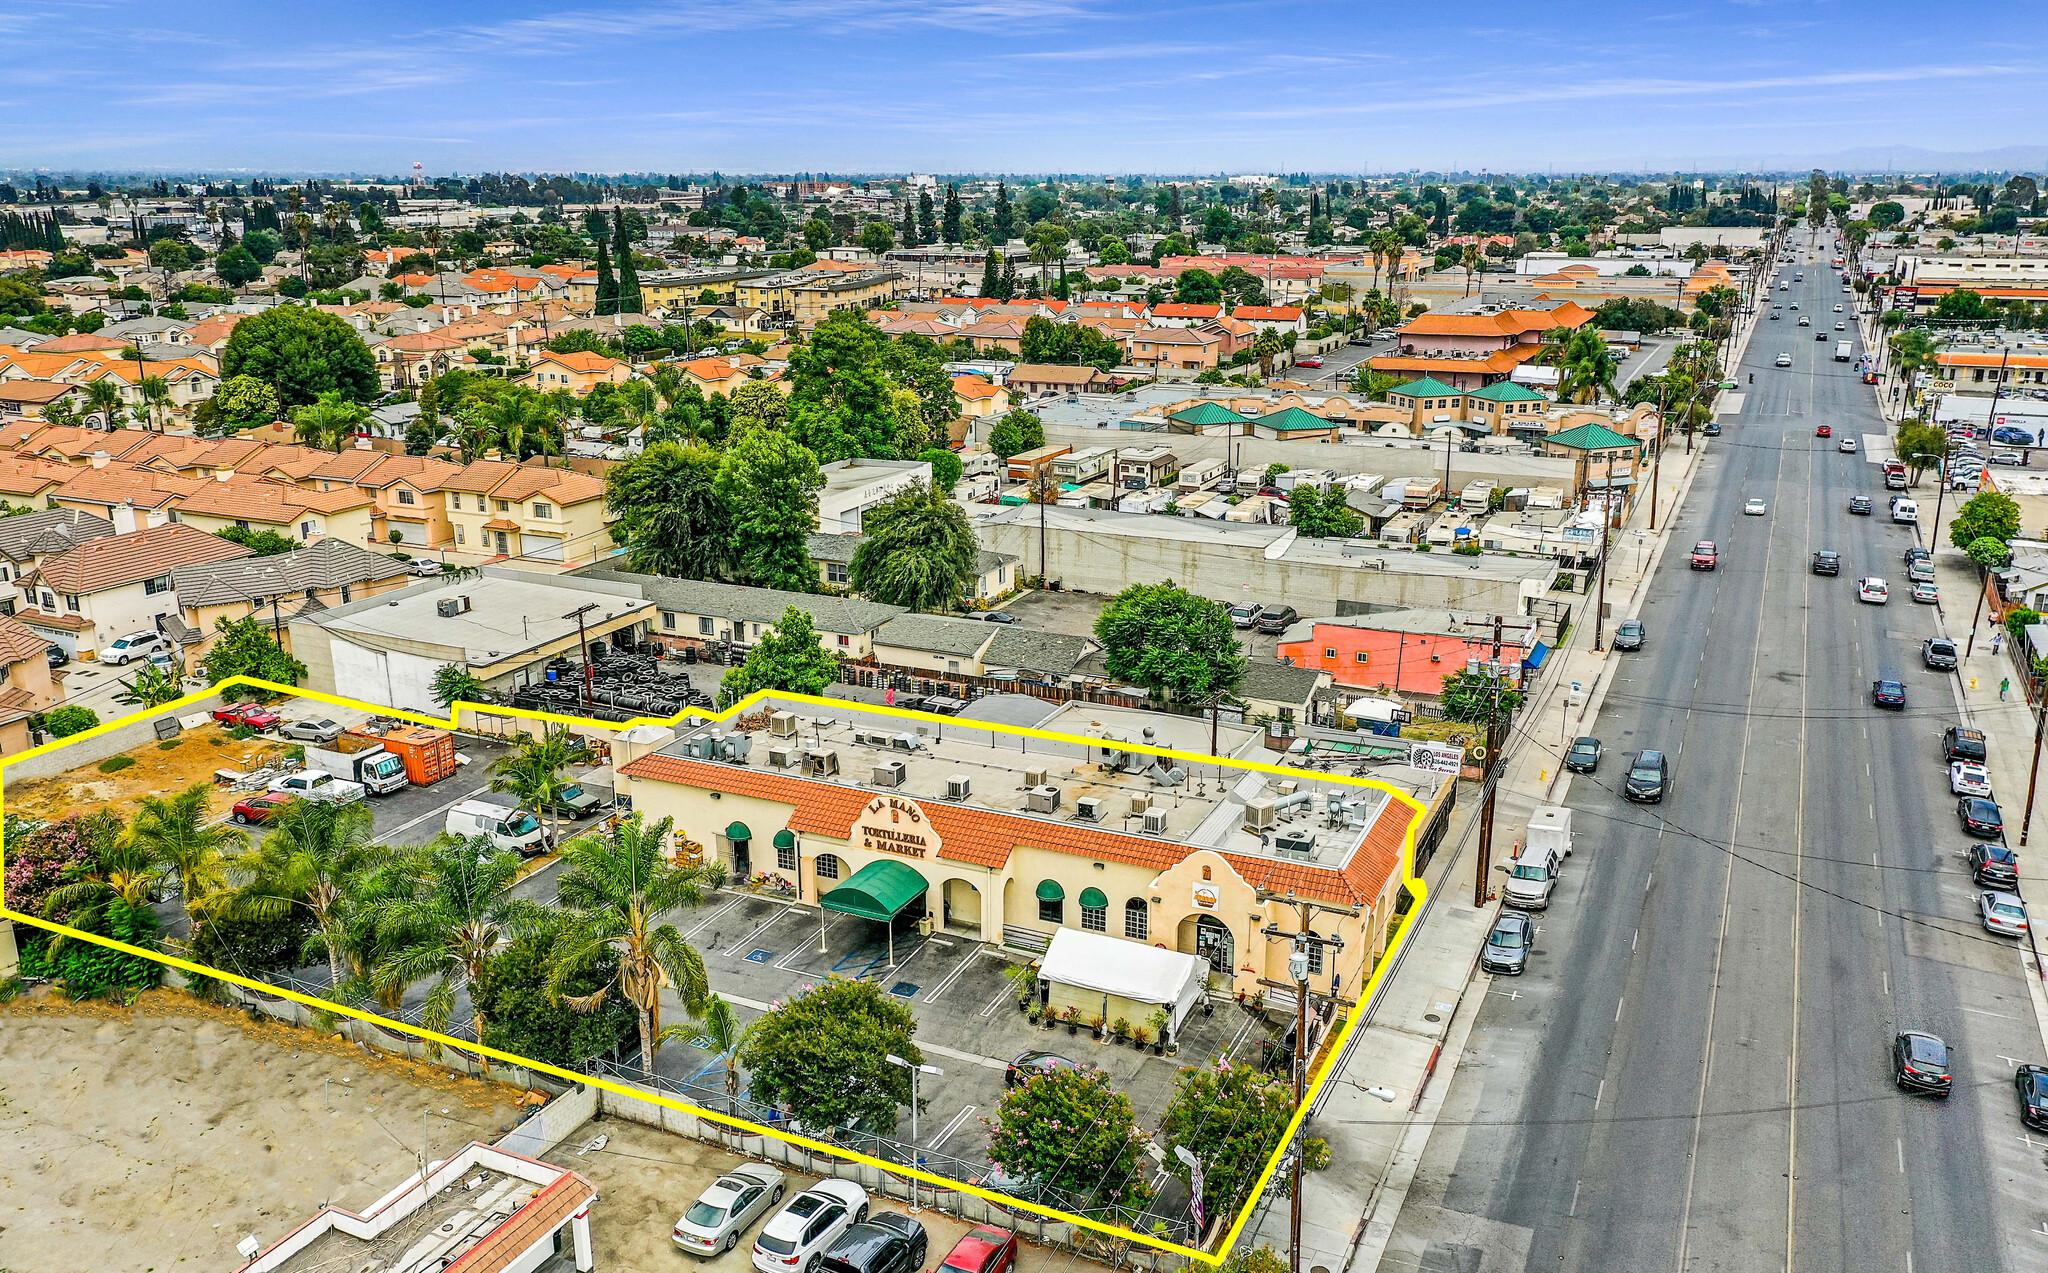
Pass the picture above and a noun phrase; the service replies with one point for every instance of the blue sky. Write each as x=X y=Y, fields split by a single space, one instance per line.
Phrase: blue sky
x=1007 y=85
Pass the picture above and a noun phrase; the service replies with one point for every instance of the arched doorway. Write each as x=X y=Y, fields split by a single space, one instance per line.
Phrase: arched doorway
x=962 y=903
x=1214 y=943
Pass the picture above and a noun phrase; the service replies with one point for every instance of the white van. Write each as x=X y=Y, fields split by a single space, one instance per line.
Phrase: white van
x=513 y=829
x=1531 y=877
x=1904 y=510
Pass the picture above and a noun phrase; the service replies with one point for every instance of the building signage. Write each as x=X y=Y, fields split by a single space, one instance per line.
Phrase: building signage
x=892 y=824
x=1207 y=895
x=1437 y=758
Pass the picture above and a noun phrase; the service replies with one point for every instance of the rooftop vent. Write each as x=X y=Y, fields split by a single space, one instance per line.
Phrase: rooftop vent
x=891 y=773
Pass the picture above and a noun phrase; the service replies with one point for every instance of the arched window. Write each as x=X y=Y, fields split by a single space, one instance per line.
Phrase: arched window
x=1137 y=919
x=828 y=866
x=1052 y=902
x=1094 y=910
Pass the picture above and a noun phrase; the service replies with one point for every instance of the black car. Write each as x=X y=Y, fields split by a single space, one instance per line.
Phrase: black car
x=1961 y=743
x=1712 y=429
x=1646 y=777
x=1996 y=865
x=999 y=616
x=2030 y=1084
x=1584 y=757
x=1920 y=1063
x=1980 y=817
x=1861 y=505
x=1939 y=654
x=58 y=656
x=1032 y=1064
x=1629 y=636
x=1916 y=554
x=1276 y=619
x=1888 y=694
x=1827 y=563
x=886 y=1242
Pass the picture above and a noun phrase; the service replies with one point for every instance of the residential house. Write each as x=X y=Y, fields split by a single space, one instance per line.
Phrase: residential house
x=1472 y=350
x=144 y=497
x=694 y=613
x=934 y=645
x=1175 y=350
x=542 y=516
x=994 y=335
x=26 y=686
x=1138 y=468
x=414 y=358
x=27 y=539
x=1175 y=314
x=121 y=583
x=1281 y=694
x=26 y=482
x=1033 y=379
x=579 y=373
x=277 y=589
x=712 y=375
x=996 y=574
x=807 y=297
x=411 y=505
x=247 y=502
x=1283 y=319
x=1406 y=650
x=980 y=399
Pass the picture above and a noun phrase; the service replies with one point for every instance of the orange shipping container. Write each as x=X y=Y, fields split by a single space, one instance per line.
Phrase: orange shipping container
x=429 y=754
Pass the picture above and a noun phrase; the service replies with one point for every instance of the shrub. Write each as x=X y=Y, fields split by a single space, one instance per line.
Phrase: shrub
x=520 y=1018
x=115 y=764
x=169 y=744
x=87 y=970
x=54 y=854
x=69 y=720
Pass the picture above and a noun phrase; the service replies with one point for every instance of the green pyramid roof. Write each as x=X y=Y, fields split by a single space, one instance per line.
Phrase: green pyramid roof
x=1592 y=437
x=1292 y=418
x=1207 y=413
x=1509 y=391
x=1427 y=387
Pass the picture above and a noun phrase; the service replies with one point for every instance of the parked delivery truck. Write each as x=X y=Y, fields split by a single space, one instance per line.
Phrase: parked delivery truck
x=1532 y=873
x=359 y=760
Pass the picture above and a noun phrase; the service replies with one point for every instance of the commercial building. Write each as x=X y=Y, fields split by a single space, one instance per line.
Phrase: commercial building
x=694 y=612
x=1406 y=650
x=990 y=833
x=852 y=487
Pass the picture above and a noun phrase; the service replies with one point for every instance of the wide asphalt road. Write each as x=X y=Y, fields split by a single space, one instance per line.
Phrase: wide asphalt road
x=1695 y=1073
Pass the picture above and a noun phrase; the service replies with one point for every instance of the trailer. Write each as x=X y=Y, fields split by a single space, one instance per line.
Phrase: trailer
x=1150 y=500
x=428 y=754
x=1421 y=492
x=1200 y=474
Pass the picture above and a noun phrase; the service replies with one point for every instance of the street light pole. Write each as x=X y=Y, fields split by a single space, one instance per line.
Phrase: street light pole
x=916 y=1070
x=1600 y=602
x=1297 y=968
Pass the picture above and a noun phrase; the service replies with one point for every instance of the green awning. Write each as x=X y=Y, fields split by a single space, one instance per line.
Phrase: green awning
x=1094 y=898
x=738 y=831
x=1050 y=891
x=879 y=890
x=785 y=839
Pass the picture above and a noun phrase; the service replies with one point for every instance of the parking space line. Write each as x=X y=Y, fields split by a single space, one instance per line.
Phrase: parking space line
x=707 y=921
x=747 y=943
x=951 y=1127
x=441 y=811
x=946 y=982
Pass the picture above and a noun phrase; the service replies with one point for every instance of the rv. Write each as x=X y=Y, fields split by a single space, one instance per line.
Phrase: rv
x=1199 y=475
x=1843 y=351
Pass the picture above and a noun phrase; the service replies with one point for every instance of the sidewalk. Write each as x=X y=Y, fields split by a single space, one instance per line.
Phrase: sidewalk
x=1416 y=1038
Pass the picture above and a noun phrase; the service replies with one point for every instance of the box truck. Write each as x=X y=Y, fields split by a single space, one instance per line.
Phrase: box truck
x=1843 y=351
x=358 y=760
x=428 y=754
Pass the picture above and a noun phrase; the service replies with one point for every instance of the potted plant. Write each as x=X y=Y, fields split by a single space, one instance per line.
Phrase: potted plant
x=1208 y=996
x=1160 y=1024
x=1121 y=1029
x=1072 y=1016
x=1099 y=1027
x=1139 y=1037
x=1034 y=1012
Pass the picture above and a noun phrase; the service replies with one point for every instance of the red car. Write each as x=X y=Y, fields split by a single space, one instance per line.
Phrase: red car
x=1823 y=432
x=985 y=1249
x=256 y=718
x=259 y=807
x=1308 y=362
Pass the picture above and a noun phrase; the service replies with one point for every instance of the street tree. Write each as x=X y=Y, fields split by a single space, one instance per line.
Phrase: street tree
x=1920 y=446
x=823 y=1055
x=1988 y=515
x=787 y=656
x=1181 y=647
x=770 y=484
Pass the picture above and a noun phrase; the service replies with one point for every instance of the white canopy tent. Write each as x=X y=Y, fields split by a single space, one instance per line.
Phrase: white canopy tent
x=1119 y=969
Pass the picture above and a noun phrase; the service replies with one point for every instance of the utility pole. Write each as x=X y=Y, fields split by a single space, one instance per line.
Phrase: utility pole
x=1042 y=487
x=2034 y=770
x=1488 y=770
x=583 y=645
x=1657 y=455
x=1600 y=603
x=1303 y=938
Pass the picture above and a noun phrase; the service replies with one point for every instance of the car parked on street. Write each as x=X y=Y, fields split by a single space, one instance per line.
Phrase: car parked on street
x=1584 y=757
x=1926 y=594
x=1630 y=635
x=890 y=1243
x=1980 y=817
x=1508 y=944
x=1939 y=654
x=2030 y=1084
x=1959 y=742
x=799 y=1234
x=1995 y=864
x=720 y=1215
x=1647 y=778
x=1968 y=778
x=311 y=731
x=2002 y=914
x=250 y=715
x=1245 y=613
x=1276 y=619
x=1920 y=1062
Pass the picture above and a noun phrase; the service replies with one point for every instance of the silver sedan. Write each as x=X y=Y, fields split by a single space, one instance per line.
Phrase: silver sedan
x=311 y=731
x=714 y=1222
x=2002 y=913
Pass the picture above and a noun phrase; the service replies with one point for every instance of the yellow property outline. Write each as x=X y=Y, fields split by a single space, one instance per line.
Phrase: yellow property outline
x=1410 y=880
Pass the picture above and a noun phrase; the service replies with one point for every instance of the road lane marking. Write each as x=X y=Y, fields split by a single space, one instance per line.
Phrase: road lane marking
x=1633 y=940
x=1617 y=1006
x=1900 y=1143
x=1575 y=1199
x=1600 y=1092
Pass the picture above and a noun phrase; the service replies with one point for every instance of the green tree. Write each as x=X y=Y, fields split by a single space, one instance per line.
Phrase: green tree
x=1018 y=431
x=786 y=657
x=670 y=517
x=991 y=275
x=877 y=237
x=1469 y=696
x=247 y=648
x=771 y=483
x=1232 y=1119
x=1114 y=251
x=180 y=832
x=1179 y=646
x=310 y=861
x=616 y=887
x=946 y=467
x=607 y=285
x=302 y=353
x=1072 y=1130
x=757 y=405
x=103 y=400
x=241 y=402
x=1885 y=215
x=823 y=1055
x=152 y=686
x=1963 y=305
x=1988 y=553
x=1920 y=445
x=1987 y=515
x=522 y=1018
x=237 y=266
x=721 y=1029
x=330 y=423
x=1588 y=368
x=1321 y=514
x=2018 y=620
x=111 y=899
x=69 y=719
x=454 y=684
x=630 y=301
x=1198 y=287
x=536 y=771
x=448 y=917
x=917 y=549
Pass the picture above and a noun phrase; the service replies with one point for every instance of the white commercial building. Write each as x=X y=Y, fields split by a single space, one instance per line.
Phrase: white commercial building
x=852 y=487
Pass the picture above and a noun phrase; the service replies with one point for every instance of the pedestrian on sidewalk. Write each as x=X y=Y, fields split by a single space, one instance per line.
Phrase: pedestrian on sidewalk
x=1998 y=641
x=2005 y=689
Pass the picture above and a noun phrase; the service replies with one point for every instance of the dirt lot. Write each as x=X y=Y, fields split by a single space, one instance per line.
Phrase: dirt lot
x=159 y=770
x=142 y=1138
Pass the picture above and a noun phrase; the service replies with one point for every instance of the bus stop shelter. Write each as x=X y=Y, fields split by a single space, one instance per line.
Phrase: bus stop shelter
x=882 y=891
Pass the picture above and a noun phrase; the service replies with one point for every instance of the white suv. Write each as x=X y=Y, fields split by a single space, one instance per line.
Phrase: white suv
x=136 y=645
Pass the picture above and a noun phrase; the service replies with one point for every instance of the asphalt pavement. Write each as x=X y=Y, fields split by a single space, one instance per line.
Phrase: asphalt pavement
x=1696 y=1075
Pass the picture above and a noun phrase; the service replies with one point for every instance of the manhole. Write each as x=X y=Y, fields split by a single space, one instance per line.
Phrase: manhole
x=760 y=956
x=1431 y=1016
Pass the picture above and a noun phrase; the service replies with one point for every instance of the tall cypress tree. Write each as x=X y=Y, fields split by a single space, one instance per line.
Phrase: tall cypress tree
x=991 y=274
x=949 y=221
x=927 y=227
x=908 y=234
x=629 y=275
x=1009 y=284
x=607 y=286
x=1005 y=215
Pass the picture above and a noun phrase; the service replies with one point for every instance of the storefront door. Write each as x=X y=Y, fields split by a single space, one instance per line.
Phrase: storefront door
x=1213 y=943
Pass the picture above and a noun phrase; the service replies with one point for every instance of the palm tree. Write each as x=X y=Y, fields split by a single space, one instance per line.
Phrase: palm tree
x=156 y=395
x=103 y=399
x=128 y=878
x=314 y=857
x=450 y=914
x=176 y=832
x=534 y=772
x=515 y=419
x=302 y=230
x=618 y=886
x=334 y=219
x=1588 y=369
x=721 y=1028
x=1470 y=259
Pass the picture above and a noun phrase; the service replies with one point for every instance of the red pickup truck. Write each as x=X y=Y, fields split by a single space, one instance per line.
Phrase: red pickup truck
x=256 y=718
x=1705 y=556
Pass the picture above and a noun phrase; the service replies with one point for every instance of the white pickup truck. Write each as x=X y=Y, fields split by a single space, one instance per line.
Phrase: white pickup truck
x=323 y=788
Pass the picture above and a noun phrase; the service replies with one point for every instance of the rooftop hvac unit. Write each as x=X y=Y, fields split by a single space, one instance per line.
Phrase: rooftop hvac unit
x=1089 y=808
x=735 y=747
x=1042 y=799
x=449 y=607
x=1289 y=787
x=1034 y=777
x=891 y=773
x=784 y=757
x=821 y=763
x=1293 y=845
x=782 y=725
x=1155 y=822
x=697 y=748
x=905 y=742
x=1258 y=815
x=1140 y=803
x=959 y=787
x=871 y=738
